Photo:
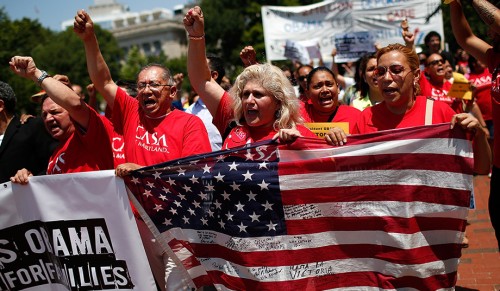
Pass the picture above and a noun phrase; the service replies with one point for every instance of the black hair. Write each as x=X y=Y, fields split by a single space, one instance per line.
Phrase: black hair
x=216 y=64
x=430 y=35
x=8 y=96
x=319 y=69
x=167 y=76
x=361 y=85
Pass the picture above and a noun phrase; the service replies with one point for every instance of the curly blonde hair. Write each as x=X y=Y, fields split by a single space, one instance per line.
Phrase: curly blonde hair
x=274 y=81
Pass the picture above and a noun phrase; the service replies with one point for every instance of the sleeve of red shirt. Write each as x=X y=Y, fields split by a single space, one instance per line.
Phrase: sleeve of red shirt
x=195 y=137
x=224 y=113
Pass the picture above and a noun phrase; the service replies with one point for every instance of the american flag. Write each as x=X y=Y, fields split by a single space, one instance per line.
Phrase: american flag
x=387 y=210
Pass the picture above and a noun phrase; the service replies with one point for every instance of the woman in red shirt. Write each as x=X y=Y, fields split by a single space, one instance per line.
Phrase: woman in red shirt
x=261 y=104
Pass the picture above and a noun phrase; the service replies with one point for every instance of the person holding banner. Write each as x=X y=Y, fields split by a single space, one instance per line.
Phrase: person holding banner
x=153 y=132
x=79 y=129
x=488 y=54
x=323 y=105
x=260 y=105
x=398 y=73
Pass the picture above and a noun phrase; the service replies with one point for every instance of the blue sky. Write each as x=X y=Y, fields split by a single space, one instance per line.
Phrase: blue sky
x=51 y=13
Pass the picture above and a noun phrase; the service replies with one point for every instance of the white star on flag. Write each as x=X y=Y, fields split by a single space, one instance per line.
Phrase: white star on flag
x=235 y=186
x=219 y=177
x=157 y=175
x=263 y=185
x=271 y=226
x=254 y=217
x=242 y=227
x=251 y=196
x=268 y=206
x=248 y=175
x=233 y=166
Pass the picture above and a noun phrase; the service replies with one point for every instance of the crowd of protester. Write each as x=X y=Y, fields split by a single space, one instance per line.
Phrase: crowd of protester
x=149 y=121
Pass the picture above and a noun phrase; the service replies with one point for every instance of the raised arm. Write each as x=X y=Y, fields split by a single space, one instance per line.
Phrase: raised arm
x=97 y=67
x=488 y=13
x=335 y=70
x=61 y=94
x=464 y=35
x=198 y=72
x=248 y=56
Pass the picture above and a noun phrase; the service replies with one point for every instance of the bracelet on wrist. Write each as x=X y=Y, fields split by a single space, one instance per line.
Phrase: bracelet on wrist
x=196 y=37
x=42 y=77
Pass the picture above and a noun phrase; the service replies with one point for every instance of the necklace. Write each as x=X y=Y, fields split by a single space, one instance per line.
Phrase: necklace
x=158 y=117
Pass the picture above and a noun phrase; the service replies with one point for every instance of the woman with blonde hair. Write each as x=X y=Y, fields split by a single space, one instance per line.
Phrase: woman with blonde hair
x=260 y=105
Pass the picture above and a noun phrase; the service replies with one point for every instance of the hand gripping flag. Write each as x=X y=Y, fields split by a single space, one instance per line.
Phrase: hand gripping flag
x=386 y=211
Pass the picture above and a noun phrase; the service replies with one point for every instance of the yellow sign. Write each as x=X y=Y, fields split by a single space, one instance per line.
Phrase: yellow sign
x=460 y=88
x=321 y=128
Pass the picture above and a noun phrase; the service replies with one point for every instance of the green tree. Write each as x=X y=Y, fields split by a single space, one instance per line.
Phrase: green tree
x=65 y=54
x=20 y=37
x=477 y=25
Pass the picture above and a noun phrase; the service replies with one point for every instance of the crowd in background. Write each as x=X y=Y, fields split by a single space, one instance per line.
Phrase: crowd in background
x=150 y=120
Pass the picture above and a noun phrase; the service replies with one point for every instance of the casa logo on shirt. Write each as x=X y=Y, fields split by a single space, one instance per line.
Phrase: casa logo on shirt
x=151 y=141
x=56 y=165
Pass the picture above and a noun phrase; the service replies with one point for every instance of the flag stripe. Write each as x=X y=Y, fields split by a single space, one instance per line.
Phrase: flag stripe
x=389 y=224
x=336 y=282
x=447 y=163
x=392 y=255
x=317 y=240
x=383 y=177
x=372 y=208
x=341 y=266
x=405 y=193
x=387 y=147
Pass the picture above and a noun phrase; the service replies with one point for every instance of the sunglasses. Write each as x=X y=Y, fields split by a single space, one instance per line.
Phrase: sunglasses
x=302 y=78
x=394 y=70
x=435 y=62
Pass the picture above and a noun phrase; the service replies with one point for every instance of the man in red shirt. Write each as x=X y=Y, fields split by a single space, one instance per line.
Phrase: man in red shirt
x=153 y=132
x=83 y=135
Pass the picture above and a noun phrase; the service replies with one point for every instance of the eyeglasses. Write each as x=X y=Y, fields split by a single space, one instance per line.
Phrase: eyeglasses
x=152 y=86
x=394 y=70
x=435 y=62
x=302 y=78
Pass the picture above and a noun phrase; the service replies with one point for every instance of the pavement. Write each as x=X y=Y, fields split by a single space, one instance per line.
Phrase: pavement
x=479 y=267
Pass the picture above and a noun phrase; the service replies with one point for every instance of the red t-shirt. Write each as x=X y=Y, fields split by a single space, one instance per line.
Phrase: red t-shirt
x=494 y=66
x=151 y=141
x=482 y=82
x=243 y=134
x=84 y=151
x=344 y=114
x=378 y=117
x=439 y=93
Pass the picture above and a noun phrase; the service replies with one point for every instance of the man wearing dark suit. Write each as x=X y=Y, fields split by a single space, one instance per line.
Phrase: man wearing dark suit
x=25 y=145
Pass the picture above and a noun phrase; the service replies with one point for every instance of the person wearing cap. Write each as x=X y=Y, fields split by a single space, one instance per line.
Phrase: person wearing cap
x=83 y=135
x=22 y=145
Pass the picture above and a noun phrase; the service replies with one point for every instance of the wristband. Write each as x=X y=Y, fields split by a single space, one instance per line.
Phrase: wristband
x=42 y=77
x=196 y=37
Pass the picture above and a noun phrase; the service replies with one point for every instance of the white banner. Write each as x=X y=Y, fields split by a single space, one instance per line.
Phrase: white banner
x=329 y=20
x=70 y=232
